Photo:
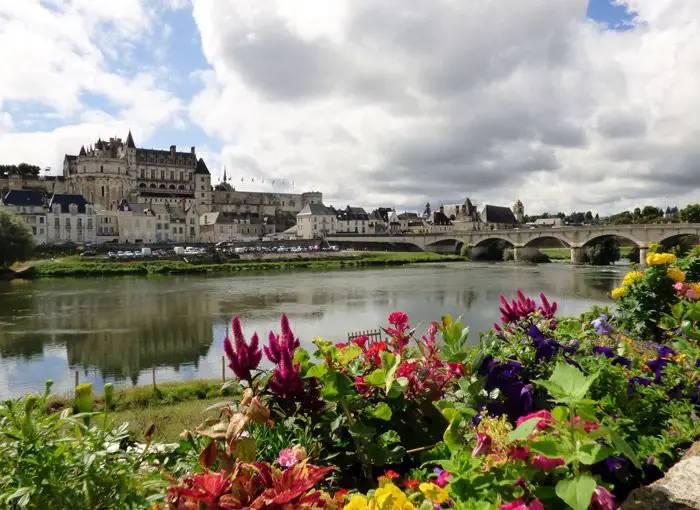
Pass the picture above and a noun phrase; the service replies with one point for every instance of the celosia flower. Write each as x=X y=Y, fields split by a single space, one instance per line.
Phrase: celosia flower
x=602 y=499
x=398 y=319
x=675 y=274
x=519 y=504
x=285 y=380
x=243 y=357
x=618 y=292
x=278 y=343
x=434 y=493
x=545 y=463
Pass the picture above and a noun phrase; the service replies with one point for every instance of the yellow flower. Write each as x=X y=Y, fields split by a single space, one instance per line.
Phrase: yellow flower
x=696 y=288
x=357 y=503
x=675 y=274
x=660 y=259
x=434 y=493
x=632 y=277
x=390 y=497
x=618 y=292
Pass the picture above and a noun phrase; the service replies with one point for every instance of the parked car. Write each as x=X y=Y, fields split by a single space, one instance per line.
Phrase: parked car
x=112 y=255
x=128 y=253
x=89 y=253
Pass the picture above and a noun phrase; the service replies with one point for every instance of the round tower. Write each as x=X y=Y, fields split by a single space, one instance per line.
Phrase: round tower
x=311 y=197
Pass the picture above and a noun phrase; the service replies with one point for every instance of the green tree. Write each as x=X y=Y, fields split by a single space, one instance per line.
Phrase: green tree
x=16 y=242
x=604 y=252
x=691 y=214
x=589 y=216
x=21 y=169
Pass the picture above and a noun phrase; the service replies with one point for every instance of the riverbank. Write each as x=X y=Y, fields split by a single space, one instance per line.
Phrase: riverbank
x=564 y=254
x=77 y=267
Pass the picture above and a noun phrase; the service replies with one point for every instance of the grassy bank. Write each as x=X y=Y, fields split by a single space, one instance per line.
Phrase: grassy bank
x=171 y=406
x=74 y=266
x=565 y=253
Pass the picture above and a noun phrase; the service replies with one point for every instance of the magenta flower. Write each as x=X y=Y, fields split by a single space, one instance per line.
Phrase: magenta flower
x=603 y=499
x=483 y=444
x=243 y=357
x=399 y=332
x=545 y=419
x=525 y=306
x=278 y=343
x=441 y=480
x=285 y=380
x=398 y=319
x=545 y=463
x=519 y=504
x=548 y=310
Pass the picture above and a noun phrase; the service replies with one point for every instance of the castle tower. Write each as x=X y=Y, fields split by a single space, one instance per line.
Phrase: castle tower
x=519 y=211
x=202 y=187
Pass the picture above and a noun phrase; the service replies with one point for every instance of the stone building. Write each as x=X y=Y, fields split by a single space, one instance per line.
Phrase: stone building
x=70 y=219
x=216 y=227
x=315 y=221
x=352 y=220
x=30 y=206
x=494 y=217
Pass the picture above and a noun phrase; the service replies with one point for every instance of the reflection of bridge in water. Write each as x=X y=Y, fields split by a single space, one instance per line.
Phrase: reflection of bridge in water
x=525 y=240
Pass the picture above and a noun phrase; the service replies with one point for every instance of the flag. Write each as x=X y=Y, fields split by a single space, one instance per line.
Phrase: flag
x=242 y=179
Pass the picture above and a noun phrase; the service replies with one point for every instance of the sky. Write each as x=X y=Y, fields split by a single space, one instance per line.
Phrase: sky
x=565 y=105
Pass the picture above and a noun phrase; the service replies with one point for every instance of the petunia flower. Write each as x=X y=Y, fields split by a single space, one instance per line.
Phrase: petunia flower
x=519 y=504
x=545 y=463
x=602 y=499
x=546 y=418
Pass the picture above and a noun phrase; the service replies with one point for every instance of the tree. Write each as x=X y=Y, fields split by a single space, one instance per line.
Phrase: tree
x=637 y=212
x=21 y=169
x=691 y=214
x=588 y=216
x=597 y=218
x=603 y=253
x=650 y=211
x=16 y=242
x=426 y=212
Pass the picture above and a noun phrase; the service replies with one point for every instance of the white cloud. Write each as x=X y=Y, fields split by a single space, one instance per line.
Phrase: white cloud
x=403 y=101
x=55 y=52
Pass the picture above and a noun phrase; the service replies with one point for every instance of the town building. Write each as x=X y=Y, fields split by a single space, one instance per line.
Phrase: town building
x=352 y=220
x=70 y=219
x=494 y=217
x=216 y=227
x=30 y=206
x=316 y=220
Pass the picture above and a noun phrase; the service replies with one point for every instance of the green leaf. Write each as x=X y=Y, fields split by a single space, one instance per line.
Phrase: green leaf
x=389 y=437
x=398 y=386
x=621 y=445
x=452 y=437
x=382 y=411
x=336 y=386
x=360 y=429
x=560 y=413
x=592 y=453
x=349 y=353
x=391 y=364
x=524 y=430
x=376 y=378
x=568 y=383
x=552 y=449
x=577 y=493
x=317 y=371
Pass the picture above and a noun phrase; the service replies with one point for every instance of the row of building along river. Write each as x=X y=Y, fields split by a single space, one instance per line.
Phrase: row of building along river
x=118 y=329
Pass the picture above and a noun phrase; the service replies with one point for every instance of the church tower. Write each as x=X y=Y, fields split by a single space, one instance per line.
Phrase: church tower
x=519 y=211
x=202 y=187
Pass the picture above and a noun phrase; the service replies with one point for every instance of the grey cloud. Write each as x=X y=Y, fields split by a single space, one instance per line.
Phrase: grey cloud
x=621 y=125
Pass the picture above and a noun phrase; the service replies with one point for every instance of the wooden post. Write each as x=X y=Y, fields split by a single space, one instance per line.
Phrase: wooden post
x=223 y=368
x=153 y=372
x=77 y=378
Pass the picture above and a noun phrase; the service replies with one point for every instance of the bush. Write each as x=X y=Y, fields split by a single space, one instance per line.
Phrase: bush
x=16 y=241
x=603 y=253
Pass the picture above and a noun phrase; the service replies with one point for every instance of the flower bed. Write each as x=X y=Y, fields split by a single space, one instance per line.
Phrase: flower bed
x=546 y=412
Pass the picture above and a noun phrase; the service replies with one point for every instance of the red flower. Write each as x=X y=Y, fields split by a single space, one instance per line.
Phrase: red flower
x=361 y=342
x=340 y=494
x=398 y=319
x=546 y=418
x=519 y=504
x=392 y=475
x=587 y=425
x=361 y=386
x=520 y=453
x=341 y=345
x=373 y=352
x=545 y=463
x=411 y=484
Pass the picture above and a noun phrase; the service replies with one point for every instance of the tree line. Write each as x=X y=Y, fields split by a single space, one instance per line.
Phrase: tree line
x=21 y=169
x=644 y=215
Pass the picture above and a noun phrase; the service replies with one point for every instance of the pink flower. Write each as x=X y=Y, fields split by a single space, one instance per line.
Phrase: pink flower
x=243 y=357
x=441 y=480
x=545 y=463
x=360 y=385
x=546 y=419
x=519 y=504
x=520 y=453
x=691 y=294
x=361 y=342
x=483 y=444
x=288 y=458
x=679 y=286
x=603 y=499
x=587 y=425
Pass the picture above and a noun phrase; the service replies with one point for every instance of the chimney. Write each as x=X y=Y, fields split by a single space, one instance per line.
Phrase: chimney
x=173 y=148
x=192 y=149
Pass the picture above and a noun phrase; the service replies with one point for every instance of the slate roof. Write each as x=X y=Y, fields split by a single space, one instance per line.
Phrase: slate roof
x=24 y=197
x=352 y=213
x=130 y=141
x=71 y=157
x=498 y=214
x=440 y=218
x=201 y=168
x=381 y=214
x=317 y=210
x=66 y=200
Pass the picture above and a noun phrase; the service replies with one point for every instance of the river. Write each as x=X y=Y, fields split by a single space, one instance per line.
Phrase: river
x=118 y=329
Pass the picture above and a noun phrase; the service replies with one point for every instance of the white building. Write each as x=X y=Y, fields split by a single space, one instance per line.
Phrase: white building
x=219 y=227
x=28 y=205
x=316 y=220
x=70 y=219
x=353 y=220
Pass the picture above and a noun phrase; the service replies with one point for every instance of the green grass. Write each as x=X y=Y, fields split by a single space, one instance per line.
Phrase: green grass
x=565 y=253
x=72 y=267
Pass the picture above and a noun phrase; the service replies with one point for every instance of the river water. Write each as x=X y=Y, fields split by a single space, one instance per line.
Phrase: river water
x=118 y=329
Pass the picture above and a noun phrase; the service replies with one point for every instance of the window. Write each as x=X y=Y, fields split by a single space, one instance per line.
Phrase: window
x=41 y=230
x=153 y=173
x=137 y=224
x=190 y=177
x=67 y=222
x=172 y=175
x=103 y=191
x=191 y=231
x=89 y=223
x=143 y=173
x=102 y=168
x=80 y=223
x=182 y=176
x=166 y=226
x=162 y=175
x=57 y=223
x=34 y=230
x=41 y=219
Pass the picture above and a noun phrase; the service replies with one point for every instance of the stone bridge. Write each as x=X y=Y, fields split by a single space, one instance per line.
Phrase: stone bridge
x=524 y=239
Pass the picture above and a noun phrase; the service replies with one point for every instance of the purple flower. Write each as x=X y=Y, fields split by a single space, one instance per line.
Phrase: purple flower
x=642 y=381
x=676 y=391
x=601 y=325
x=657 y=365
x=665 y=351
x=243 y=357
x=545 y=347
x=285 y=380
x=697 y=363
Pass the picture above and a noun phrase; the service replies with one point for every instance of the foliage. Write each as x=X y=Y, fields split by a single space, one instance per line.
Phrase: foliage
x=58 y=461
x=604 y=252
x=21 y=169
x=16 y=241
x=690 y=214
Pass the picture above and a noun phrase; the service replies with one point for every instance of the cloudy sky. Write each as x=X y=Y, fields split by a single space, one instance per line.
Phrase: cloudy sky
x=565 y=104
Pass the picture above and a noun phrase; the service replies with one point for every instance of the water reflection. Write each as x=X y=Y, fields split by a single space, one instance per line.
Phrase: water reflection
x=118 y=329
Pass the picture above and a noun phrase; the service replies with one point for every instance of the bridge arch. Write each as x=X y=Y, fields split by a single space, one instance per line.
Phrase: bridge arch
x=678 y=232
x=547 y=235
x=602 y=235
x=493 y=237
